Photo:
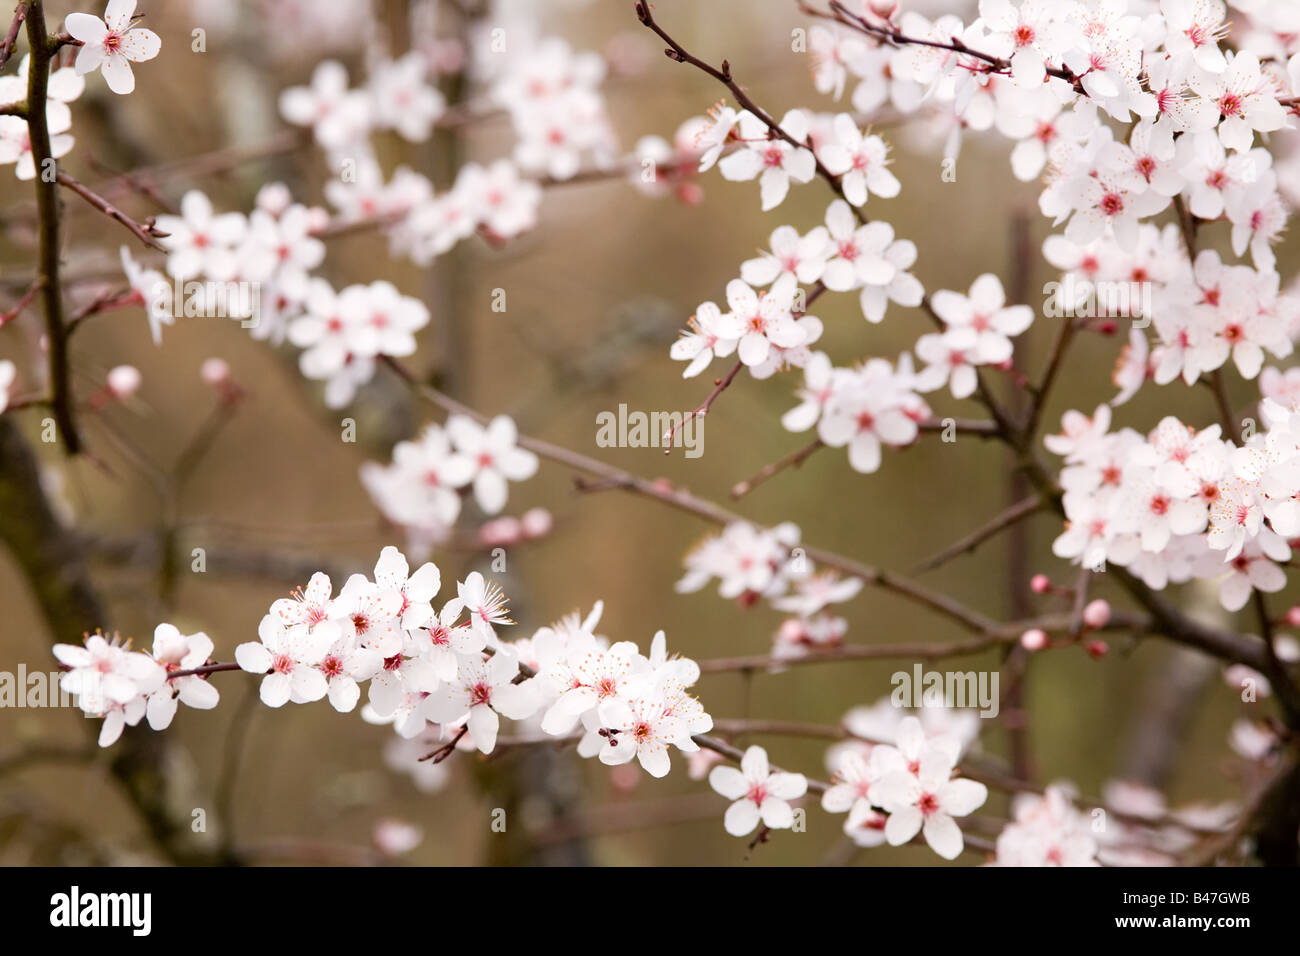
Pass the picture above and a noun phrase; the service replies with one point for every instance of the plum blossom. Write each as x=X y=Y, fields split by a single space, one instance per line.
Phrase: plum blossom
x=760 y=795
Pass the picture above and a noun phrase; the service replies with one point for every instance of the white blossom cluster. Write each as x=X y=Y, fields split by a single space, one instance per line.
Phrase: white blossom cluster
x=752 y=563
x=430 y=672
x=897 y=776
x=421 y=490
x=123 y=686
x=1180 y=504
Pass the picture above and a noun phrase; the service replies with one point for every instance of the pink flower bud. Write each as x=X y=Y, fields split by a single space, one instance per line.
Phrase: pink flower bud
x=1293 y=616
x=1097 y=649
x=274 y=198
x=214 y=371
x=123 y=381
x=1034 y=639
x=500 y=531
x=1040 y=584
x=1096 y=614
x=536 y=522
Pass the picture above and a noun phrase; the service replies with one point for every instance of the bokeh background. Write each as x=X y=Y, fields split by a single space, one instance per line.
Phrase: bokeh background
x=595 y=296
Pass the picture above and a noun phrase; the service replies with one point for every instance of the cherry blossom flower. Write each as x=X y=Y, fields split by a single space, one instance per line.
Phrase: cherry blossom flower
x=104 y=673
x=200 y=242
x=112 y=44
x=288 y=656
x=494 y=457
x=859 y=161
x=760 y=795
x=179 y=652
x=916 y=788
x=984 y=311
x=1244 y=97
x=482 y=690
x=773 y=161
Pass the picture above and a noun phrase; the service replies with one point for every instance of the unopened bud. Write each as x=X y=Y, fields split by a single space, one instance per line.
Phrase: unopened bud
x=123 y=381
x=1034 y=639
x=1096 y=614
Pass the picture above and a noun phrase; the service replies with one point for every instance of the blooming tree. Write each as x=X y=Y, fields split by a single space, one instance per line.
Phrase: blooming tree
x=1158 y=133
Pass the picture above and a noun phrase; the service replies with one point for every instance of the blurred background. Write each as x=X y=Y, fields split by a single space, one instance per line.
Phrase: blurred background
x=596 y=295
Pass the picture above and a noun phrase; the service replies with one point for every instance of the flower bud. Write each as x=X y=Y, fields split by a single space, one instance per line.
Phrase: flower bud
x=1034 y=639
x=123 y=381
x=1096 y=614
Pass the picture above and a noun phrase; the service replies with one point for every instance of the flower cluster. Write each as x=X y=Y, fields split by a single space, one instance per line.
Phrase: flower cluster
x=759 y=794
x=421 y=490
x=628 y=705
x=1178 y=504
x=893 y=792
x=1046 y=830
x=64 y=86
x=752 y=563
x=123 y=686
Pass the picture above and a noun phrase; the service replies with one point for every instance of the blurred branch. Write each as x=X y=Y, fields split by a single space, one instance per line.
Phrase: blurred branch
x=47 y=203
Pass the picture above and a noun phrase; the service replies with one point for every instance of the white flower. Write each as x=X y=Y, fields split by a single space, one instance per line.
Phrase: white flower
x=984 y=312
x=104 y=674
x=392 y=573
x=482 y=690
x=494 y=456
x=154 y=291
x=112 y=44
x=1245 y=98
x=918 y=792
x=774 y=161
x=200 y=243
x=859 y=161
x=179 y=652
x=759 y=794
x=288 y=657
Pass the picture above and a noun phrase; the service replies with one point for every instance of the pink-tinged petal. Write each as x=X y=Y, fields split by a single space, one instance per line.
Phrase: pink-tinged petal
x=654 y=761
x=729 y=782
x=787 y=786
x=483 y=726
x=253 y=657
x=961 y=797
x=943 y=835
x=160 y=710
x=776 y=813
x=198 y=693
x=274 y=690
x=902 y=825
x=754 y=763
x=72 y=655
x=344 y=694
x=117 y=73
x=741 y=166
x=773 y=186
x=307 y=684
x=754 y=348
x=140 y=45
x=111 y=728
x=89 y=57
x=118 y=14
x=86 y=28
x=516 y=701
x=741 y=818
